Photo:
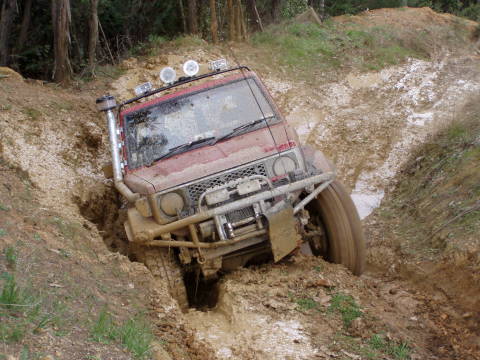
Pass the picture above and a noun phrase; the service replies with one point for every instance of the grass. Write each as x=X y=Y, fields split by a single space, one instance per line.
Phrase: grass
x=399 y=351
x=3 y=232
x=4 y=207
x=11 y=256
x=377 y=347
x=436 y=205
x=310 y=46
x=135 y=334
x=346 y=306
x=32 y=113
x=306 y=304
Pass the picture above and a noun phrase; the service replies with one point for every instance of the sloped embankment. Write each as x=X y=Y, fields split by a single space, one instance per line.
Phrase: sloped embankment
x=427 y=228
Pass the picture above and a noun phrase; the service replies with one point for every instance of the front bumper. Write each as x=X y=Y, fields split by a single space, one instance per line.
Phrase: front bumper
x=148 y=232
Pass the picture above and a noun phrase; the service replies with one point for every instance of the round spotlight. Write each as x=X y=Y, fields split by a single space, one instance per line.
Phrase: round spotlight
x=171 y=203
x=283 y=165
x=168 y=75
x=191 y=68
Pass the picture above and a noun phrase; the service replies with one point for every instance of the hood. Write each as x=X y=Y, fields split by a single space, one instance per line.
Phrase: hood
x=208 y=160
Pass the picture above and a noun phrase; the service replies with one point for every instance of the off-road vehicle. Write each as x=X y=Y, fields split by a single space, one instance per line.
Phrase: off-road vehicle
x=215 y=178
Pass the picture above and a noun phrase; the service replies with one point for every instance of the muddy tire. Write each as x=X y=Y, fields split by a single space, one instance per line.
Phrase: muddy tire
x=334 y=210
x=161 y=262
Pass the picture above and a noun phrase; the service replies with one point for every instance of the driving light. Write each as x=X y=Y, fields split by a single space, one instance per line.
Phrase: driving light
x=171 y=203
x=191 y=68
x=283 y=165
x=168 y=75
x=143 y=88
x=217 y=65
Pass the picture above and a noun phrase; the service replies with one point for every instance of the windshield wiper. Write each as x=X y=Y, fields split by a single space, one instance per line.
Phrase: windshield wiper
x=184 y=147
x=243 y=127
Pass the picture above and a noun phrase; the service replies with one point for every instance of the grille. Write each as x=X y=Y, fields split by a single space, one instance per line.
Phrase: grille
x=195 y=190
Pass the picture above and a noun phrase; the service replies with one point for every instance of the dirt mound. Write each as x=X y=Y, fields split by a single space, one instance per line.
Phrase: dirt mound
x=413 y=19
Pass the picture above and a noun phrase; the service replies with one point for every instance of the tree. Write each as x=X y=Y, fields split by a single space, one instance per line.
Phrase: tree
x=93 y=35
x=192 y=17
x=213 y=21
x=254 y=15
x=27 y=15
x=61 y=19
x=6 y=21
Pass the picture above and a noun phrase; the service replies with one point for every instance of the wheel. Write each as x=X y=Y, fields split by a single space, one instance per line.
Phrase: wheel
x=334 y=216
x=162 y=263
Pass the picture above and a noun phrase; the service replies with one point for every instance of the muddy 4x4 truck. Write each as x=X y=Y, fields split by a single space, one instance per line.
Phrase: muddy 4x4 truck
x=215 y=179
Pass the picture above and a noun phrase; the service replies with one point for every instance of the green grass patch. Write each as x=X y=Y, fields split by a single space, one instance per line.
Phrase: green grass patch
x=306 y=304
x=310 y=47
x=346 y=306
x=11 y=255
x=4 y=207
x=32 y=113
x=3 y=232
x=399 y=351
x=135 y=334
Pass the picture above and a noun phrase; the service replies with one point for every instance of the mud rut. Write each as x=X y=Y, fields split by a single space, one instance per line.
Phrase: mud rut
x=389 y=112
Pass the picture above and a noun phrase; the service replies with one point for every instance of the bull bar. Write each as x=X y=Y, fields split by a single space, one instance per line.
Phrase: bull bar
x=148 y=236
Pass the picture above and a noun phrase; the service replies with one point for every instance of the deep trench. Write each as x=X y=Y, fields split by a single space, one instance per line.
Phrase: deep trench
x=104 y=207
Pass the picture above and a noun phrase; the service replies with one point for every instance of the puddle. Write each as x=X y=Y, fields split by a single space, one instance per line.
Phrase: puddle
x=366 y=200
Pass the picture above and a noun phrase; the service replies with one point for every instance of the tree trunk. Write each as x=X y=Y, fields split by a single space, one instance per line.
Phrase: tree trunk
x=254 y=15
x=276 y=5
x=213 y=21
x=6 y=21
x=192 y=16
x=93 y=36
x=27 y=11
x=61 y=18
x=322 y=10
x=231 y=20
x=182 y=15
x=237 y=20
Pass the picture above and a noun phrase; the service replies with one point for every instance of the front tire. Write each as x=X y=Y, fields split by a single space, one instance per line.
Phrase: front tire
x=334 y=211
x=163 y=265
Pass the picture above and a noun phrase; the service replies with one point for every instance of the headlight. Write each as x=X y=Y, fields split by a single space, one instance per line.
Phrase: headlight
x=172 y=203
x=283 y=165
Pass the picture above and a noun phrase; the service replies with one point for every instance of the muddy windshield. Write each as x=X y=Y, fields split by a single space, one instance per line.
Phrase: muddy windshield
x=183 y=122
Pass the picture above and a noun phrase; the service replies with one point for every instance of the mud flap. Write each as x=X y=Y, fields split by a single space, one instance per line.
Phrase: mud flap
x=282 y=230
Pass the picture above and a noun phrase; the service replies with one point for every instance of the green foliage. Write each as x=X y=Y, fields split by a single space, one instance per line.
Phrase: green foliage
x=291 y=8
x=135 y=333
x=3 y=232
x=104 y=330
x=306 y=304
x=346 y=306
x=309 y=47
x=10 y=255
x=4 y=207
x=399 y=351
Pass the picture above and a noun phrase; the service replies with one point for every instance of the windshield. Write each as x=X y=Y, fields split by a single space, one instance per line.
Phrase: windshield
x=217 y=113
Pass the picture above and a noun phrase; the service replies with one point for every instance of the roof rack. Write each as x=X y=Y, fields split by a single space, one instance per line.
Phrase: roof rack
x=180 y=81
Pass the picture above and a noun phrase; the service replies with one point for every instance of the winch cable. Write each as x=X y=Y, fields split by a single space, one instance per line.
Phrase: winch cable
x=261 y=110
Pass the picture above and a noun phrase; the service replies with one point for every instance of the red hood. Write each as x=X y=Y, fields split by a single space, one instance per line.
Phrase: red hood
x=208 y=160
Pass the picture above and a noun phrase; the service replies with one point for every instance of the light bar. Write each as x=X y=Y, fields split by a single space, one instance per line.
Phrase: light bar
x=191 y=68
x=168 y=75
x=143 y=88
x=217 y=65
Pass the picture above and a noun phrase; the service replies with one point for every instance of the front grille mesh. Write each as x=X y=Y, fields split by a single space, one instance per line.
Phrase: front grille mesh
x=195 y=190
